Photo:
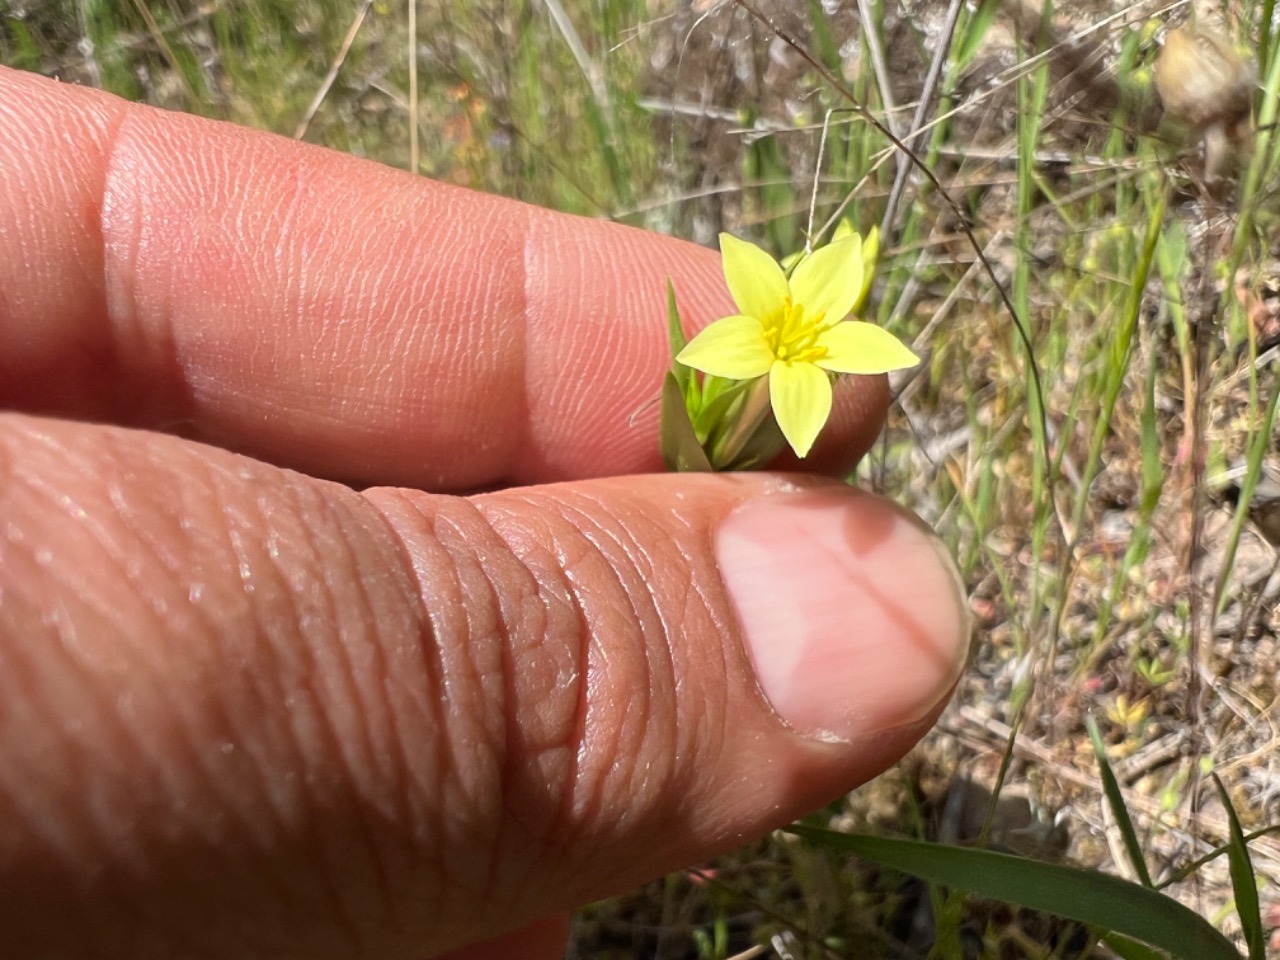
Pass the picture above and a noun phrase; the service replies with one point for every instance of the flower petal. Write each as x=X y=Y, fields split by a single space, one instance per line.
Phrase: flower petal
x=801 y=397
x=732 y=347
x=828 y=281
x=757 y=283
x=858 y=347
x=870 y=253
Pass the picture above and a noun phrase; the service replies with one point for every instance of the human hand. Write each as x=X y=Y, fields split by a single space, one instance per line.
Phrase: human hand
x=250 y=712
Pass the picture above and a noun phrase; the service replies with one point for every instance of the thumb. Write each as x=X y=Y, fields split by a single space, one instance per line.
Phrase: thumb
x=246 y=713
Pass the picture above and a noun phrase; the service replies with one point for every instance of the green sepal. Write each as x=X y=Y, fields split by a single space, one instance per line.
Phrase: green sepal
x=720 y=399
x=738 y=429
x=675 y=334
x=681 y=450
x=765 y=443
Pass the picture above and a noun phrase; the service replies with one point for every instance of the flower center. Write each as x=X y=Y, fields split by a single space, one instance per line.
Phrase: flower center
x=794 y=338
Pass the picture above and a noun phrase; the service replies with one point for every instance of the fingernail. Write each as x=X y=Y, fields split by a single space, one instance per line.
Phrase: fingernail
x=853 y=614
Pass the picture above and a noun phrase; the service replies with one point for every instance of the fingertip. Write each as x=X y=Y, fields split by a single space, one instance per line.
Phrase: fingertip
x=853 y=613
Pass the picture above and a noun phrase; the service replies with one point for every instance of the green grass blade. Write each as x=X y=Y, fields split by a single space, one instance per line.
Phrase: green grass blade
x=1244 y=884
x=1259 y=443
x=824 y=42
x=1115 y=800
x=1084 y=895
x=1186 y=870
x=1264 y=33
x=1153 y=468
x=968 y=42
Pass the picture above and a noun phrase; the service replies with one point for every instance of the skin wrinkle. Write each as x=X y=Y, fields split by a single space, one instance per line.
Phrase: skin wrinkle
x=78 y=661
x=587 y=809
x=293 y=816
x=536 y=794
x=568 y=792
x=341 y=724
x=265 y=682
x=243 y=554
x=487 y=877
x=651 y=572
x=330 y=740
x=104 y=714
x=398 y=727
x=355 y=926
x=448 y=571
x=19 y=712
x=374 y=669
x=525 y=791
x=416 y=779
x=642 y=583
x=226 y=788
x=534 y=658
x=419 y=780
x=537 y=543
x=586 y=522
x=548 y=741
x=214 y=717
x=373 y=710
x=172 y=754
x=580 y=567
x=264 y=686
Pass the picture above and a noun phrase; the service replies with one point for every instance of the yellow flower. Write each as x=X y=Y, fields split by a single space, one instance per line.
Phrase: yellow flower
x=795 y=332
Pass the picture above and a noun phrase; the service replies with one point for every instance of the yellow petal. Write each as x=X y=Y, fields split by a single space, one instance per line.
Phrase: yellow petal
x=828 y=282
x=870 y=250
x=870 y=253
x=858 y=347
x=801 y=397
x=757 y=283
x=732 y=347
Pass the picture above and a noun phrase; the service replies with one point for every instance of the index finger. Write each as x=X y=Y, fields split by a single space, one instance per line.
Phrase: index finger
x=330 y=314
